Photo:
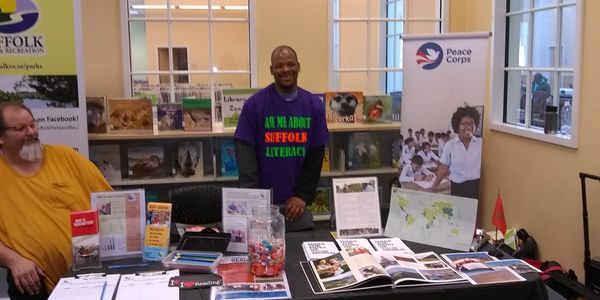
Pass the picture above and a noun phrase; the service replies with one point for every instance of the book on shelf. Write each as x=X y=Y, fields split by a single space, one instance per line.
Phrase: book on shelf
x=344 y=107
x=378 y=109
x=364 y=269
x=482 y=268
x=197 y=114
x=189 y=161
x=146 y=162
x=396 y=106
x=96 y=114
x=363 y=150
x=232 y=102
x=325 y=167
x=85 y=241
x=319 y=249
x=321 y=205
x=107 y=158
x=158 y=226
x=229 y=167
x=169 y=116
x=130 y=116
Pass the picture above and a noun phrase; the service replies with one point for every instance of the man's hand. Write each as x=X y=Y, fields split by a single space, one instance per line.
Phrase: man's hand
x=27 y=275
x=294 y=207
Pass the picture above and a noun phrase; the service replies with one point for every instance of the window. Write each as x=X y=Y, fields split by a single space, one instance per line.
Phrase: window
x=367 y=46
x=535 y=66
x=186 y=48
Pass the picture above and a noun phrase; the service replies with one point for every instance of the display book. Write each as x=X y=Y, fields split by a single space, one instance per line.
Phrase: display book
x=358 y=265
x=85 y=241
x=130 y=116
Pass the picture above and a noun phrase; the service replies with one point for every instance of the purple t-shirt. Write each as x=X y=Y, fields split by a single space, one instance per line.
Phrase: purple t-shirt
x=282 y=131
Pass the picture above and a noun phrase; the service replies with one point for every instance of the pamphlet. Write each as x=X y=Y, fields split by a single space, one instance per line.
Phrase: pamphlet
x=85 y=239
x=357 y=207
x=158 y=226
x=237 y=207
x=121 y=215
x=239 y=283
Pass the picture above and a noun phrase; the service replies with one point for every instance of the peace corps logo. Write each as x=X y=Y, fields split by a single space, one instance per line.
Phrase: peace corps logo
x=430 y=55
x=17 y=17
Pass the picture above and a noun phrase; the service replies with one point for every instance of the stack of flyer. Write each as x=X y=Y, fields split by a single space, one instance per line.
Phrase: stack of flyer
x=85 y=239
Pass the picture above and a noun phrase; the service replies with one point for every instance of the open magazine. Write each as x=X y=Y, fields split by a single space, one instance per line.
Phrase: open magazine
x=359 y=266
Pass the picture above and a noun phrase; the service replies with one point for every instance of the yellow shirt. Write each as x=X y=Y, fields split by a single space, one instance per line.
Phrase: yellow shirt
x=35 y=210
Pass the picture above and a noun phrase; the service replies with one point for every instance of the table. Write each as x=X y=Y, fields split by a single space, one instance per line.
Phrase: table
x=533 y=288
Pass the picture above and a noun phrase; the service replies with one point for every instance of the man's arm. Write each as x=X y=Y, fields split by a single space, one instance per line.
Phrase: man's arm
x=306 y=186
x=26 y=274
x=247 y=165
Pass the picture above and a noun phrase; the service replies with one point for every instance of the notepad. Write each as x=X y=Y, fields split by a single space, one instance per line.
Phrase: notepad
x=86 y=287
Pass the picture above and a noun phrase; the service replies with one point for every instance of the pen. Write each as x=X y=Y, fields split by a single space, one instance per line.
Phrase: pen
x=127 y=266
x=103 y=289
x=194 y=260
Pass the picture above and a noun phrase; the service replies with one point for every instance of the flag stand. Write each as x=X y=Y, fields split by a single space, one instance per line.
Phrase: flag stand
x=496 y=252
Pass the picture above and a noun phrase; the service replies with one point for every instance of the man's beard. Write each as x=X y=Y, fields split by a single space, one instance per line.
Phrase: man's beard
x=31 y=151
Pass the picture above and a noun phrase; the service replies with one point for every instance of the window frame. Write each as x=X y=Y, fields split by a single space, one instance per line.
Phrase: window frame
x=442 y=11
x=499 y=67
x=128 y=73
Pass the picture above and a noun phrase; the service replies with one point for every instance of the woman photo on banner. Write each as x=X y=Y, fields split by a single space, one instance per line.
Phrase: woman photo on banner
x=461 y=157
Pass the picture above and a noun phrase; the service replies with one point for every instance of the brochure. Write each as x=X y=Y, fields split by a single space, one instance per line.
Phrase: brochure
x=239 y=283
x=121 y=215
x=158 y=226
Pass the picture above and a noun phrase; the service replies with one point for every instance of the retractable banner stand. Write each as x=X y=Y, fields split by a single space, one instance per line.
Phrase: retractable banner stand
x=443 y=73
x=41 y=66
x=442 y=112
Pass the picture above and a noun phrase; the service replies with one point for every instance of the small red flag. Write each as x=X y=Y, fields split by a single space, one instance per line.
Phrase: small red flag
x=498 y=215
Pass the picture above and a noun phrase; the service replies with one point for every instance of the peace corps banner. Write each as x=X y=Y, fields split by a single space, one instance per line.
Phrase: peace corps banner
x=442 y=112
x=41 y=66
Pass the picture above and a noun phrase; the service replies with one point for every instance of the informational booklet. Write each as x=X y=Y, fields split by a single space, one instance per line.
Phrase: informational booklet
x=481 y=268
x=237 y=207
x=158 y=226
x=122 y=216
x=356 y=210
x=319 y=249
x=239 y=283
x=363 y=269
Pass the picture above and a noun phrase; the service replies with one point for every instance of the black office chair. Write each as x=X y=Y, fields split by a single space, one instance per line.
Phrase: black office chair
x=197 y=204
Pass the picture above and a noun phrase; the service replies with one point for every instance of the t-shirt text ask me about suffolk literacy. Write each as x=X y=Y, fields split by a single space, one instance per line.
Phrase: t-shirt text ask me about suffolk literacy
x=277 y=137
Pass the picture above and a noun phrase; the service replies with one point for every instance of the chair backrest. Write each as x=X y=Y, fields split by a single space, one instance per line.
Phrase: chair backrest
x=197 y=204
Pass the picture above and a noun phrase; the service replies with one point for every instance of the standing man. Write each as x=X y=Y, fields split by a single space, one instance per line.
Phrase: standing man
x=41 y=186
x=461 y=157
x=281 y=137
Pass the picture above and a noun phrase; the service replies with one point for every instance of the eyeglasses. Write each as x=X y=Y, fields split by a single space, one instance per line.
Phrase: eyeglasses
x=21 y=128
